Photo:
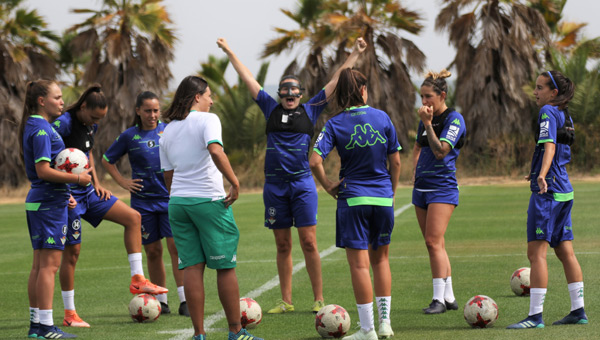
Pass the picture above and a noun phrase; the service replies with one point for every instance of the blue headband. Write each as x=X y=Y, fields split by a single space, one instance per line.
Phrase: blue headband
x=553 y=82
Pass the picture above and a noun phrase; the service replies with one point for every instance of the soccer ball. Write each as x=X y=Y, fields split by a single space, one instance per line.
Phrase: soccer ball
x=332 y=321
x=144 y=308
x=251 y=313
x=519 y=281
x=72 y=161
x=481 y=311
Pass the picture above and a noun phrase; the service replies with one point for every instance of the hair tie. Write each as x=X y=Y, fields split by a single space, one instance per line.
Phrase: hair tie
x=553 y=82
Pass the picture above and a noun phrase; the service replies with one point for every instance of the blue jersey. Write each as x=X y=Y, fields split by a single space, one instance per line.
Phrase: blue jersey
x=549 y=121
x=287 y=152
x=432 y=173
x=142 y=149
x=363 y=137
x=42 y=143
x=64 y=125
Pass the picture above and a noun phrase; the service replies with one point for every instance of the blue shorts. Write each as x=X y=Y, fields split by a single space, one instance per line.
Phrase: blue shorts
x=291 y=203
x=359 y=226
x=423 y=199
x=47 y=224
x=155 y=219
x=91 y=208
x=549 y=220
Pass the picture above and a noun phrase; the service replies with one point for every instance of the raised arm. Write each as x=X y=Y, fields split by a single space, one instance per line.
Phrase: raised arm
x=359 y=46
x=244 y=73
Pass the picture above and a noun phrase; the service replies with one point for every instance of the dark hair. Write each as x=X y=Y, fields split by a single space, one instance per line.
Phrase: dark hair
x=436 y=81
x=93 y=98
x=347 y=91
x=564 y=85
x=187 y=90
x=139 y=101
x=34 y=90
x=290 y=76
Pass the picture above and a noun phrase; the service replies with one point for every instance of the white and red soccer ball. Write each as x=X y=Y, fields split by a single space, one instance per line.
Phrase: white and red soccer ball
x=332 y=321
x=481 y=311
x=71 y=160
x=144 y=308
x=519 y=281
x=251 y=313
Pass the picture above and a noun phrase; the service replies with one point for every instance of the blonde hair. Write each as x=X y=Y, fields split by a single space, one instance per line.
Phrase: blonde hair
x=436 y=80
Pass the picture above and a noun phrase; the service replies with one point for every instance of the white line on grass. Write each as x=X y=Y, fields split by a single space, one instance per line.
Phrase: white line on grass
x=182 y=334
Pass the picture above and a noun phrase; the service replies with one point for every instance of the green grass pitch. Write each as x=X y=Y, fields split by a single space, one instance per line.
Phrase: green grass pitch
x=485 y=240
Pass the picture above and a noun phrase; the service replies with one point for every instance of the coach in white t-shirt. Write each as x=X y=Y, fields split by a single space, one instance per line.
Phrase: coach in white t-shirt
x=205 y=233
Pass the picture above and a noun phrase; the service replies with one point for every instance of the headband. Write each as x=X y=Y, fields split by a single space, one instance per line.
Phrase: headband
x=553 y=82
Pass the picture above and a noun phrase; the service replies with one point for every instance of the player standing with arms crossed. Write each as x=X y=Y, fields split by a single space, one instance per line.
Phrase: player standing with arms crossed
x=367 y=143
x=551 y=202
x=46 y=203
x=149 y=196
x=289 y=194
x=77 y=127
x=440 y=135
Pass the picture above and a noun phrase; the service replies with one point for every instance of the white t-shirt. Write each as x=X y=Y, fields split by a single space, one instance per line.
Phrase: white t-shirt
x=184 y=149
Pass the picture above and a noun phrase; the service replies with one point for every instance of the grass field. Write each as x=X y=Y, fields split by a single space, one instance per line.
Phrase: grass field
x=486 y=242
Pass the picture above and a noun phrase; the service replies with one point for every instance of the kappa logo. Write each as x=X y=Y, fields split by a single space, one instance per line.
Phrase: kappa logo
x=151 y=143
x=136 y=137
x=539 y=231
x=76 y=224
x=50 y=240
x=234 y=258
x=57 y=123
x=42 y=133
x=364 y=135
x=456 y=121
x=544 y=116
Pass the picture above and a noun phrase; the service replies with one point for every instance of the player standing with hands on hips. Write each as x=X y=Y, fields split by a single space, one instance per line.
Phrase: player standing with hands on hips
x=551 y=201
x=366 y=141
x=149 y=196
x=290 y=194
x=440 y=135
x=47 y=201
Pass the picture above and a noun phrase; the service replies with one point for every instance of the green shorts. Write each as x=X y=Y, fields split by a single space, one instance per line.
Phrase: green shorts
x=204 y=232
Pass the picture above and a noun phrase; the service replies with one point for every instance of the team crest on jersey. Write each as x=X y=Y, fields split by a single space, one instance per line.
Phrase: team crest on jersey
x=452 y=134
x=234 y=258
x=544 y=129
x=76 y=235
x=151 y=143
x=272 y=213
x=76 y=224
x=64 y=229
x=63 y=239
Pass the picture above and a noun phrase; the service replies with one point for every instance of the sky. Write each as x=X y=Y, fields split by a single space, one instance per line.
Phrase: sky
x=249 y=25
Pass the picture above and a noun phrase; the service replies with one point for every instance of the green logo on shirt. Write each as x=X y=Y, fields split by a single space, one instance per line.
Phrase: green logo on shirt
x=136 y=137
x=42 y=133
x=364 y=136
x=57 y=123
x=544 y=116
x=456 y=121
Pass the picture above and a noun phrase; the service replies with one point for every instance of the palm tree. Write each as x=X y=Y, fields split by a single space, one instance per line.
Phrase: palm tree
x=25 y=55
x=495 y=58
x=129 y=45
x=329 y=27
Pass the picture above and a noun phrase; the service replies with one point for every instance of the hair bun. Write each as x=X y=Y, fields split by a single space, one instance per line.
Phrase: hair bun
x=435 y=75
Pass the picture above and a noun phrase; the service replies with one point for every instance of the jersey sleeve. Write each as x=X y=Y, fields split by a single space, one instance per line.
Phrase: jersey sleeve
x=42 y=145
x=118 y=148
x=212 y=130
x=266 y=103
x=454 y=129
x=392 y=137
x=547 y=126
x=62 y=124
x=315 y=106
x=325 y=142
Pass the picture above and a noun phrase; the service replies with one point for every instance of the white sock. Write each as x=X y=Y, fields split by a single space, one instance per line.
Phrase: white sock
x=576 y=293
x=135 y=263
x=384 y=304
x=68 y=297
x=448 y=291
x=181 y=294
x=162 y=298
x=34 y=314
x=365 y=315
x=536 y=300
x=438 y=289
x=46 y=317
